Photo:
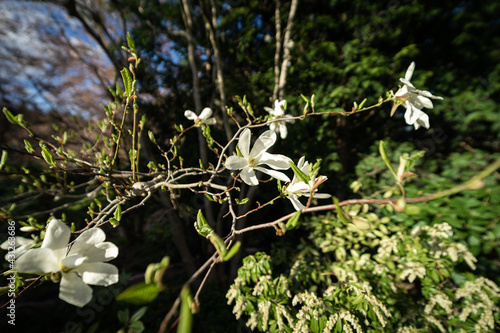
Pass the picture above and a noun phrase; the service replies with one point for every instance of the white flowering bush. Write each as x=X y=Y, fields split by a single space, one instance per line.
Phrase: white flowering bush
x=355 y=269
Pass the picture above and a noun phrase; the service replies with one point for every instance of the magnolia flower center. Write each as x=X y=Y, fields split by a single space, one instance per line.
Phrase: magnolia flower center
x=251 y=163
x=64 y=269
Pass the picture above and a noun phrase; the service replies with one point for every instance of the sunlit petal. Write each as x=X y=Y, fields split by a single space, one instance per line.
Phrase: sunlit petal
x=205 y=113
x=40 y=260
x=57 y=238
x=409 y=71
x=73 y=290
x=422 y=102
x=283 y=131
x=190 y=115
x=322 y=195
x=295 y=202
x=275 y=174
x=86 y=240
x=236 y=162
x=275 y=161
x=249 y=177
x=73 y=261
x=263 y=143
x=99 y=273
x=244 y=143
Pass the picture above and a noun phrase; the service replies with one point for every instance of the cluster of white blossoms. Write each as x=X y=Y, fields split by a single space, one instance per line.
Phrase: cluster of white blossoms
x=306 y=188
x=255 y=159
x=83 y=264
x=415 y=100
x=411 y=98
x=205 y=117
x=278 y=118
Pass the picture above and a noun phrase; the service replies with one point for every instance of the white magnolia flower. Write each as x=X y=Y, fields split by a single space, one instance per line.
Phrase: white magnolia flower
x=83 y=264
x=415 y=100
x=252 y=159
x=278 y=112
x=20 y=246
x=203 y=118
x=298 y=188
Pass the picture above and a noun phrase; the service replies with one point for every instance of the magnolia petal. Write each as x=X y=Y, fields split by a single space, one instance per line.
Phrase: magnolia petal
x=19 y=251
x=402 y=92
x=19 y=241
x=423 y=121
x=275 y=174
x=244 y=143
x=98 y=273
x=205 y=113
x=299 y=188
x=263 y=143
x=236 y=163
x=288 y=118
x=302 y=163
x=428 y=94
x=283 y=131
x=410 y=87
x=57 y=238
x=249 y=177
x=87 y=238
x=409 y=71
x=190 y=115
x=40 y=260
x=416 y=117
x=210 y=121
x=322 y=195
x=268 y=109
x=105 y=251
x=74 y=260
x=275 y=161
x=421 y=102
x=409 y=114
x=295 y=202
x=73 y=290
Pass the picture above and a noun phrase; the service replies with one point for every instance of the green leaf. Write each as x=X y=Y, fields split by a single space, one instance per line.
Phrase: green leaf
x=151 y=136
x=47 y=156
x=127 y=81
x=114 y=222
x=381 y=149
x=3 y=159
x=136 y=326
x=340 y=212
x=300 y=175
x=10 y=117
x=28 y=147
x=138 y=294
x=201 y=225
x=218 y=243
x=360 y=106
x=243 y=201
x=139 y=313
x=119 y=90
x=293 y=221
x=123 y=315
x=186 y=316
x=234 y=249
x=131 y=43
x=118 y=213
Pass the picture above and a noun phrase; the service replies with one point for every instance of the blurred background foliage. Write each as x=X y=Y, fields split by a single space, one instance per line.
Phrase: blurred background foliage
x=58 y=57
